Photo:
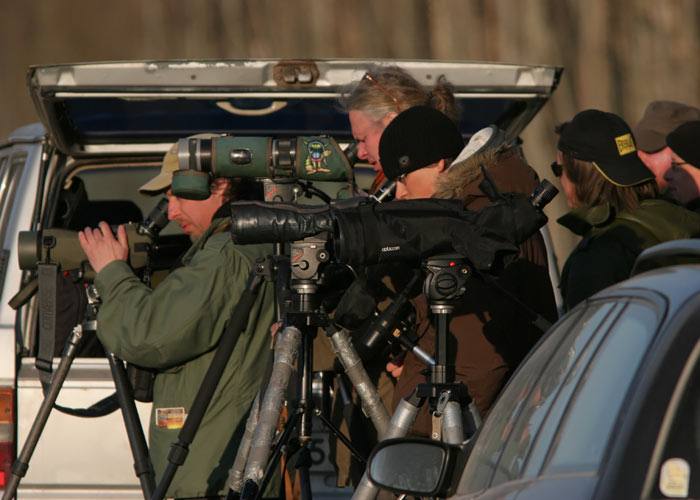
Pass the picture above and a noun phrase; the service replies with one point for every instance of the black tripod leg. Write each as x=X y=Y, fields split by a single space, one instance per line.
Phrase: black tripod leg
x=342 y=437
x=180 y=449
x=303 y=464
x=134 y=431
x=19 y=469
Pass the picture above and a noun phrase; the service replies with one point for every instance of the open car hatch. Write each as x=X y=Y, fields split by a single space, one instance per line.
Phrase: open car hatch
x=143 y=106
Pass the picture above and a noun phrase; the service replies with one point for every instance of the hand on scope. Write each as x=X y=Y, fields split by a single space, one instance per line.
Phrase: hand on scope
x=395 y=366
x=274 y=328
x=101 y=247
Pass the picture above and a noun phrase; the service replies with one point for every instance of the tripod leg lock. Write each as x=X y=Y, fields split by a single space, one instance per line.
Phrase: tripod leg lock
x=178 y=453
x=19 y=469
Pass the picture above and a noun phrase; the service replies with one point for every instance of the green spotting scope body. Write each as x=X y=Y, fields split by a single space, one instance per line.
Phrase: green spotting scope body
x=318 y=158
x=63 y=247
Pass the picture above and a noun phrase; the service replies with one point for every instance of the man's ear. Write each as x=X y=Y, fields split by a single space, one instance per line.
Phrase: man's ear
x=218 y=185
x=389 y=117
x=440 y=164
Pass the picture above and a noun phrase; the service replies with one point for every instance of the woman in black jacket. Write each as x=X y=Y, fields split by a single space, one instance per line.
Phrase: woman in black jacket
x=613 y=197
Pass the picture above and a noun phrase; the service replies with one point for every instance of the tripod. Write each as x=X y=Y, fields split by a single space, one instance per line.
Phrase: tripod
x=259 y=453
x=137 y=440
x=448 y=400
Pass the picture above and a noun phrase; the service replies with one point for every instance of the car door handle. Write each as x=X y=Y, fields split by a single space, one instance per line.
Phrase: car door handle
x=272 y=108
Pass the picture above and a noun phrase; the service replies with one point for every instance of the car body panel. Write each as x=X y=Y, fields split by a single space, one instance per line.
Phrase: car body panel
x=21 y=152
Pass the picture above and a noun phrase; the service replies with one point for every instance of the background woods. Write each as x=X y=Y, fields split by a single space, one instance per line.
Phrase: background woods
x=618 y=55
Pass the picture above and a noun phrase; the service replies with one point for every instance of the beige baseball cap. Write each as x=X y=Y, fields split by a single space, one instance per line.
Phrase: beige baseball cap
x=660 y=119
x=162 y=181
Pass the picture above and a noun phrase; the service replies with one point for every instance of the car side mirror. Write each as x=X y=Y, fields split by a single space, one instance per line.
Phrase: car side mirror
x=415 y=466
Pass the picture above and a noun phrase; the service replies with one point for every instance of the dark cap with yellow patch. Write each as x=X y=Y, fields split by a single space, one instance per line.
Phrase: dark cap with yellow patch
x=605 y=140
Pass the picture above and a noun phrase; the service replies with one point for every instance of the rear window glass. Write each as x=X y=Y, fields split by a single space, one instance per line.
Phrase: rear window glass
x=593 y=413
x=99 y=119
x=508 y=432
x=9 y=170
x=109 y=194
x=558 y=411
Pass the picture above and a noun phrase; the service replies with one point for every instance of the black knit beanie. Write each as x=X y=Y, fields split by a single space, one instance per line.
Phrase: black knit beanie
x=416 y=138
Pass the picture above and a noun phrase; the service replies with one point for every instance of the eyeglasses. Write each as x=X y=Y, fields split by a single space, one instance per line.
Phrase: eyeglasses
x=401 y=178
x=557 y=169
x=381 y=87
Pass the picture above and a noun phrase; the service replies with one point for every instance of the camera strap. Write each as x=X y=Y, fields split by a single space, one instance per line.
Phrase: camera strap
x=47 y=279
x=48 y=273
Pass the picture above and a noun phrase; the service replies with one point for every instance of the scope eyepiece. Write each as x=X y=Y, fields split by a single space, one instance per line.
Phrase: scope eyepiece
x=194 y=154
x=156 y=220
x=543 y=194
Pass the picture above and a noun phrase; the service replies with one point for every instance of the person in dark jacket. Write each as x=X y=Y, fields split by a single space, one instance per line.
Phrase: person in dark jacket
x=684 y=175
x=660 y=119
x=372 y=102
x=492 y=333
x=613 y=197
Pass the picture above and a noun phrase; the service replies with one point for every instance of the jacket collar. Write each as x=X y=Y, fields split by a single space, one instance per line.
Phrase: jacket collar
x=583 y=219
x=458 y=181
x=217 y=225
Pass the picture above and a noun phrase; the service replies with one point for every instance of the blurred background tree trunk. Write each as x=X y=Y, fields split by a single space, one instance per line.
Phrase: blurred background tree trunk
x=617 y=56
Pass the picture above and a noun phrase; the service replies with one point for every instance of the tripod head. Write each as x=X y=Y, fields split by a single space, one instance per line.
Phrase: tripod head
x=89 y=322
x=305 y=276
x=445 y=281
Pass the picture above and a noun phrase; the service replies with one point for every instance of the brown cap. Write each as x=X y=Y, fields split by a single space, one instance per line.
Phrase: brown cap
x=162 y=181
x=660 y=119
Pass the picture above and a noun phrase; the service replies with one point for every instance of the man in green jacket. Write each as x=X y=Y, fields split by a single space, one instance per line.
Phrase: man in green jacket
x=175 y=328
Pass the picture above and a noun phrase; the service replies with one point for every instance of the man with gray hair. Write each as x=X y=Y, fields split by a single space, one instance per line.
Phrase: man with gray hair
x=660 y=119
